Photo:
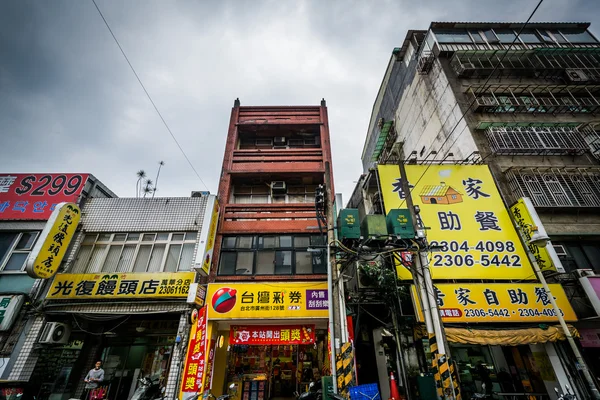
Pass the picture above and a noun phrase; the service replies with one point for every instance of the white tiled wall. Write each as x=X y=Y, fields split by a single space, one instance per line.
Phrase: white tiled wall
x=177 y=358
x=26 y=359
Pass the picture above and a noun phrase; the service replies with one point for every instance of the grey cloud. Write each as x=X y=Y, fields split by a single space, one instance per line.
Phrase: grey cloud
x=68 y=101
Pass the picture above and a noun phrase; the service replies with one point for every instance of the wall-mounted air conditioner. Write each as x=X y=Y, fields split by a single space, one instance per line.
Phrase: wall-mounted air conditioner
x=280 y=140
x=560 y=250
x=55 y=333
x=582 y=273
x=278 y=187
x=575 y=75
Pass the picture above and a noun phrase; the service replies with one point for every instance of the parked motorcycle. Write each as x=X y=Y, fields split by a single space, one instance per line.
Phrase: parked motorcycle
x=225 y=396
x=565 y=396
x=483 y=395
x=148 y=390
x=314 y=393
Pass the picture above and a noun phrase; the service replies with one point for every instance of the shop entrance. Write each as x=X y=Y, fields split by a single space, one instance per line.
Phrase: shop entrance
x=264 y=372
x=506 y=369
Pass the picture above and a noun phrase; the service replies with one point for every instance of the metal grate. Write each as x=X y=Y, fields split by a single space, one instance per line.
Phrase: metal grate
x=556 y=187
x=592 y=138
x=548 y=63
x=536 y=141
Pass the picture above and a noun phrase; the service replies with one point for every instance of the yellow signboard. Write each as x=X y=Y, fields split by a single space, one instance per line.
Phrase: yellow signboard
x=121 y=285
x=526 y=219
x=210 y=239
x=497 y=302
x=464 y=215
x=51 y=247
x=268 y=300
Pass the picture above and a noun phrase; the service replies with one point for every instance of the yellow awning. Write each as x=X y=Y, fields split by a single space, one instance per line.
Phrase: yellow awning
x=502 y=337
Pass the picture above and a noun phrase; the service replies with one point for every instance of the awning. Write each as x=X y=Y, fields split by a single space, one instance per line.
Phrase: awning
x=502 y=337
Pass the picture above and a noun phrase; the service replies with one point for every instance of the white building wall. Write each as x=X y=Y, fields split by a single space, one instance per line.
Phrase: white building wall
x=428 y=113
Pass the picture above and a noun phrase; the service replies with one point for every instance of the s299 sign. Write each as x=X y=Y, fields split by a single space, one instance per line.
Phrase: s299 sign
x=34 y=196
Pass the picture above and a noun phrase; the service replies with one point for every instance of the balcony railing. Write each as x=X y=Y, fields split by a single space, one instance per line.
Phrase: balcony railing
x=531 y=104
x=556 y=187
x=548 y=63
x=536 y=141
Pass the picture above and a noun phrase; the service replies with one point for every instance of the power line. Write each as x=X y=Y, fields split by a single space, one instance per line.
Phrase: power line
x=482 y=89
x=148 y=94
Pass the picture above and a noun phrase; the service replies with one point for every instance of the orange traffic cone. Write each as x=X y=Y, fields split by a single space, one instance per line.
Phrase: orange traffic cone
x=394 y=392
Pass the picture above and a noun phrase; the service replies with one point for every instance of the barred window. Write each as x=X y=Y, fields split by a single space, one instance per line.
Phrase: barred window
x=136 y=252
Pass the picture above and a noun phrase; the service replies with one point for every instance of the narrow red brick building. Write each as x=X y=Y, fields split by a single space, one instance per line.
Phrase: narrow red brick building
x=269 y=269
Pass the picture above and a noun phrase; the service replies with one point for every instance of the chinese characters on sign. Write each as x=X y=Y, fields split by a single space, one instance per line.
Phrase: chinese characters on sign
x=195 y=367
x=465 y=216
x=268 y=300
x=208 y=233
x=35 y=196
x=52 y=245
x=526 y=218
x=272 y=334
x=498 y=302
x=75 y=286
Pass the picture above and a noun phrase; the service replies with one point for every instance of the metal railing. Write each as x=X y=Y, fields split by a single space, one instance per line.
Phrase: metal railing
x=536 y=141
x=556 y=187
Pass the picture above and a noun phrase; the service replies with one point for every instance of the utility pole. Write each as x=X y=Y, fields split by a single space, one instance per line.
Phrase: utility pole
x=422 y=279
x=332 y=278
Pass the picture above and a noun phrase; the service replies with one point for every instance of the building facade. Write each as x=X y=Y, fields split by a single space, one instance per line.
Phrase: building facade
x=122 y=297
x=267 y=299
x=26 y=203
x=521 y=100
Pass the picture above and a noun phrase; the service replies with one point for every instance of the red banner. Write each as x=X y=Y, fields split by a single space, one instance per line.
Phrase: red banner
x=34 y=196
x=272 y=334
x=194 y=363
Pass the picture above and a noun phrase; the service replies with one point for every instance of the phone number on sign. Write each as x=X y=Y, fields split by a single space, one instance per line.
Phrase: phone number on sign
x=505 y=313
x=469 y=260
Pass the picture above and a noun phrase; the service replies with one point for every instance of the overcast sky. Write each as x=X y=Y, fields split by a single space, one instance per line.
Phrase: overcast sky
x=70 y=103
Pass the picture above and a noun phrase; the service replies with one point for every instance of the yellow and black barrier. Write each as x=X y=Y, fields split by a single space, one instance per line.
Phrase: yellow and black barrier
x=345 y=369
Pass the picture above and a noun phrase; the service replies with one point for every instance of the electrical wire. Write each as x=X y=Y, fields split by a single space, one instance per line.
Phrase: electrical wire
x=463 y=114
x=148 y=95
x=127 y=317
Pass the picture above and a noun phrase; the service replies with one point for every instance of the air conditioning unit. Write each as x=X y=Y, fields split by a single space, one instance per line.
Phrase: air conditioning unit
x=310 y=141
x=278 y=187
x=365 y=282
x=560 y=251
x=200 y=193
x=582 y=273
x=280 y=140
x=55 y=333
x=575 y=75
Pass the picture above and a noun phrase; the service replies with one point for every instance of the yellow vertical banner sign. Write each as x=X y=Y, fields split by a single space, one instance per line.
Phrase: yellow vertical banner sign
x=465 y=217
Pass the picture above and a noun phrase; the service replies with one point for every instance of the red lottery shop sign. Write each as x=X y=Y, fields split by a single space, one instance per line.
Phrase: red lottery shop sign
x=34 y=196
x=272 y=334
x=196 y=355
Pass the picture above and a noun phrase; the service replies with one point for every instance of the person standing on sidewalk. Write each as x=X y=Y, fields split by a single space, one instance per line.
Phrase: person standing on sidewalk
x=92 y=379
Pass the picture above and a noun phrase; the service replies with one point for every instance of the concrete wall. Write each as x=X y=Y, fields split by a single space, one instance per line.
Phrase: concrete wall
x=427 y=115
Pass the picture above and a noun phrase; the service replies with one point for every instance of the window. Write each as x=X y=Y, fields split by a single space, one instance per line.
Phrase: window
x=578 y=36
x=273 y=255
x=452 y=36
x=261 y=194
x=506 y=36
x=529 y=36
x=476 y=36
x=258 y=194
x=14 y=249
x=490 y=36
x=136 y=252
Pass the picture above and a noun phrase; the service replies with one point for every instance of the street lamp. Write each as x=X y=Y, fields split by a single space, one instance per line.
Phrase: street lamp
x=540 y=240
